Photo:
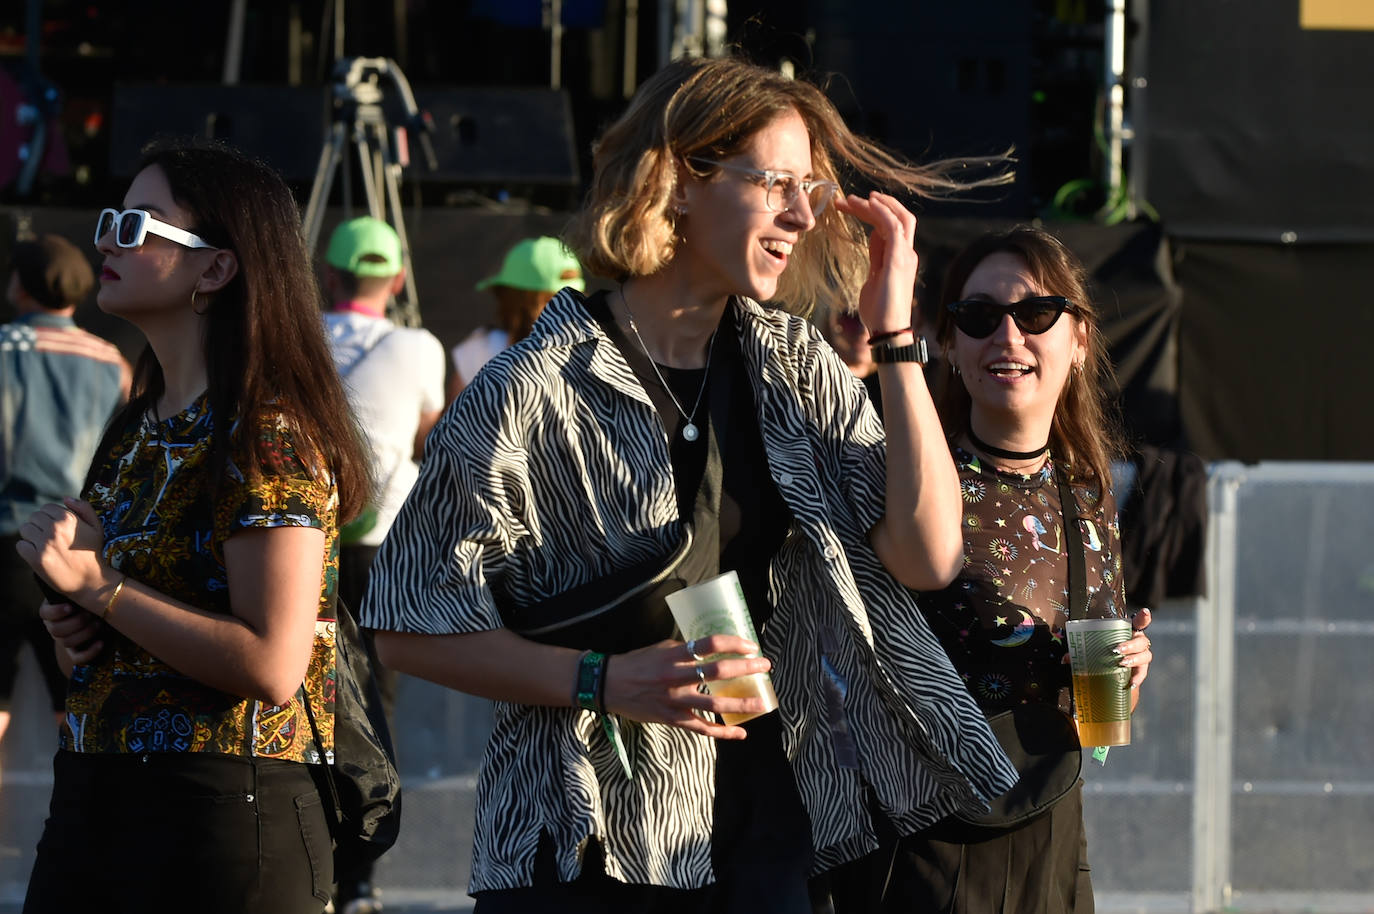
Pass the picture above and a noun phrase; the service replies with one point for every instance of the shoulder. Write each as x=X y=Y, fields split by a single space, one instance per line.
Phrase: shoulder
x=282 y=448
x=16 y=337
x=82 y=343
x=777 y=326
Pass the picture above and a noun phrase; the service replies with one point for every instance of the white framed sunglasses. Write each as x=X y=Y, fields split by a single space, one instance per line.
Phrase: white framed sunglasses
x=131 y=228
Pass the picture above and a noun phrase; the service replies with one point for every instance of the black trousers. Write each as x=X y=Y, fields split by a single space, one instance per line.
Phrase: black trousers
x=177 y=832
x=1040 y=868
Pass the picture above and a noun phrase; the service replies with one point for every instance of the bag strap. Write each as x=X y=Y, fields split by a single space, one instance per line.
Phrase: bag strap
x=1078 y=575
x=324 y=760
x=362 y=357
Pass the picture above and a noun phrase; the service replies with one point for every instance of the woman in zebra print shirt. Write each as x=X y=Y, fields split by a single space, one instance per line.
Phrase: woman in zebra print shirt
x=580 y=452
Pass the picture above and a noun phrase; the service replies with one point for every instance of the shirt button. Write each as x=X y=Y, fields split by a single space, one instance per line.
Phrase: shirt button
x=784 y=479
x=831 y=552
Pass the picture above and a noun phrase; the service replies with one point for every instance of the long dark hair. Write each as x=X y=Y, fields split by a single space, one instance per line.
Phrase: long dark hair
x=1085 y=434
x=265 y=347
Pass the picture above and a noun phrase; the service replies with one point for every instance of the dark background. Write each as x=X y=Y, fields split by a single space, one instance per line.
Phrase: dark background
x=1237 y=299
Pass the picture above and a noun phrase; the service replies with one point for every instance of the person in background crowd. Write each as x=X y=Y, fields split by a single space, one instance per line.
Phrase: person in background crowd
x=199 y=566
x=533 y=270
x=394 y=378
x=59 y=385
x=676 y=402
x=1029 y=405
x=847 y=334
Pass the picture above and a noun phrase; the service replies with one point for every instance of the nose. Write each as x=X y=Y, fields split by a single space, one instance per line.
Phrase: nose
x=799 y=213
x=1008 y=331
x=105 y=242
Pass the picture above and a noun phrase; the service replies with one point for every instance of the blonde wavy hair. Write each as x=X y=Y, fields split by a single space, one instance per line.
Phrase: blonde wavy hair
x=712 y=108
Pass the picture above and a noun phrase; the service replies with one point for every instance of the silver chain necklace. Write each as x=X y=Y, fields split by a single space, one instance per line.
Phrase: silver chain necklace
x=690 y=432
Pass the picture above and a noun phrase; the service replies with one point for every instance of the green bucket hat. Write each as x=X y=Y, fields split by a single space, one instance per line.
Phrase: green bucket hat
x=539 y=264
x=365 y=247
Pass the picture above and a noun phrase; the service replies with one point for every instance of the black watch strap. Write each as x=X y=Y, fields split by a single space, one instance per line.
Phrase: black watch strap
x=915 y=351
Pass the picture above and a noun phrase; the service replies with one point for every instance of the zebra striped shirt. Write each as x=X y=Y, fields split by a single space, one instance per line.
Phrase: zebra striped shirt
x=551 y=470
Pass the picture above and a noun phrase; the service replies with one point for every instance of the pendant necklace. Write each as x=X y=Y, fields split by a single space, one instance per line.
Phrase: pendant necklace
x=690 y=432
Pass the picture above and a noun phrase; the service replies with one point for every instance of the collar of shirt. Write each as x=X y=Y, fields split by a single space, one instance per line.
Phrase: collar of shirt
x=42 y=319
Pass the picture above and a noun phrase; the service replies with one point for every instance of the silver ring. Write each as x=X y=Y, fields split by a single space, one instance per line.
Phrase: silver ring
x=692 y=649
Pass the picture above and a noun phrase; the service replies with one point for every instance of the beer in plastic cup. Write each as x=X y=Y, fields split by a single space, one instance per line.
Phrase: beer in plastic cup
x=1101 y=686
x=717 y=607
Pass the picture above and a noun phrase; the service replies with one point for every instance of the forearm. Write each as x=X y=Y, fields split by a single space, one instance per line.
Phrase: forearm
x=496 y=664
x=918 y=538
x=220 y=650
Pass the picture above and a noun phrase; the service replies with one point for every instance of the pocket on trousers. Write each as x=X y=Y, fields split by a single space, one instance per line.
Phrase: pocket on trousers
x=318 y=843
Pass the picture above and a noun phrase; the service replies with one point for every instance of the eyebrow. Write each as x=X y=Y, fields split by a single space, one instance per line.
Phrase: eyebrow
x=148 y=207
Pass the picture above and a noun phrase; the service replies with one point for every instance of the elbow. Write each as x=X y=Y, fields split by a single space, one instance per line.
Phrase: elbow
x=277 y=687
x=277 y=694
x=938 y=569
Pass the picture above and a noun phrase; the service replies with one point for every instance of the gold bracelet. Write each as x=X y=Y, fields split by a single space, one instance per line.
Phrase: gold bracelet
x=114 y=595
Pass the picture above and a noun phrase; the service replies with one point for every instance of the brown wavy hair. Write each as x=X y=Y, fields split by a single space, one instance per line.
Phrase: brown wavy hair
x=712 y=108
x=1085 y=434
x=265 y=347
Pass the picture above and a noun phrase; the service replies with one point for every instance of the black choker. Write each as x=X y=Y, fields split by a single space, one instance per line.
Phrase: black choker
x=1002 y=452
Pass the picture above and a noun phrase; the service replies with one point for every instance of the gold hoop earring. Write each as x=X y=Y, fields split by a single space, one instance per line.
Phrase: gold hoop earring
x=194 y=309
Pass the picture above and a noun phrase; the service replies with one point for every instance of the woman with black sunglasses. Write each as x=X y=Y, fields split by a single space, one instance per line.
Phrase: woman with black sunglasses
x=199 y=566
x=1029 y=406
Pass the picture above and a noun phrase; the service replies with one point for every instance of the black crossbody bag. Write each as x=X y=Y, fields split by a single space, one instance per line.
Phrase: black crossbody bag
x=1039 y=739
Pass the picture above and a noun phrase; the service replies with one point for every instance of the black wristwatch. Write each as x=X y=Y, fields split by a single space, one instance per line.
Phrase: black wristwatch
x=915 y=351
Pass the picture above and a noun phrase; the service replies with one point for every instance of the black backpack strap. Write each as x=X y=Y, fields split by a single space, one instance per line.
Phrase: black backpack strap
x=1073 y=535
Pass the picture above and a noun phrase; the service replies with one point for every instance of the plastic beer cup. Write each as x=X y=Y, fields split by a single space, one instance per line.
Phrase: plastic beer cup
x=717 y=607
x=1101 y=686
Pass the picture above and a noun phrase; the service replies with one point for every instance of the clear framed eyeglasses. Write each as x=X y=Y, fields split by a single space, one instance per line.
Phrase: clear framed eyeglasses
x=781 y=188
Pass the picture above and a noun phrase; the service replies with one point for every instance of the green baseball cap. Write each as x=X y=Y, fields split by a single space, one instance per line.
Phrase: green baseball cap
x=539 y=264
x=365 y=247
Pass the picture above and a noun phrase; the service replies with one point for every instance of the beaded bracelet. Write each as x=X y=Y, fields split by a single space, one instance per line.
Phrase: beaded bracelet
x=879 y=337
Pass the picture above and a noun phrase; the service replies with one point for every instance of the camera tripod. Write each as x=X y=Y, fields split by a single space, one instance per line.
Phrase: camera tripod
x=359 y=118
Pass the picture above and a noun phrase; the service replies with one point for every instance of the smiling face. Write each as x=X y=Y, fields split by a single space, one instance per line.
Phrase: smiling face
x=160 y=274
x=1013 y=377
x=732 y=244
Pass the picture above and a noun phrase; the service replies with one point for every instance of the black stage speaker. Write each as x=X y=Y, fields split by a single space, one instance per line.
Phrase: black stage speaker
x=521 y=136
x=1260 y=128
x=284 y=126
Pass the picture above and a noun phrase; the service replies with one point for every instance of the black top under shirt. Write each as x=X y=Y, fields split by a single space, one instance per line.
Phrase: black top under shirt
x=757 y=805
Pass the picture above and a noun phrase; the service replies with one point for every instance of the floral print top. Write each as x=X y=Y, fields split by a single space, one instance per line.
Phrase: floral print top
x=152 y=491
x=1002 y=620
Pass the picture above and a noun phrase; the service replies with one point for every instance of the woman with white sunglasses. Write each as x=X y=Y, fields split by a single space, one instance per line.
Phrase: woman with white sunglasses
x=191 y=588
x=1029 y=417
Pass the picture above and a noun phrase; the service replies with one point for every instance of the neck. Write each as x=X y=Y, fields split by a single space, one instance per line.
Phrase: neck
x=180 y=352
x=361 y=306
x=25 y=308
x=675 y=326
x=1009 y=443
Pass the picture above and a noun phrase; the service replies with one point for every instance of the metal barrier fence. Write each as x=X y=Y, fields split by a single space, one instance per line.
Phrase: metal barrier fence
x=1248 y=785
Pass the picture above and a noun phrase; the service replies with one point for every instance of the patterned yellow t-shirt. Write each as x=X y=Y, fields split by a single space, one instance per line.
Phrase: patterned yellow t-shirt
x=152 y=490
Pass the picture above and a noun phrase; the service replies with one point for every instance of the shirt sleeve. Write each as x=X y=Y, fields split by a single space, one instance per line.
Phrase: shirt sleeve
x=458 y=522
x=431 y=373
x=850 y=430
x=291 y=488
